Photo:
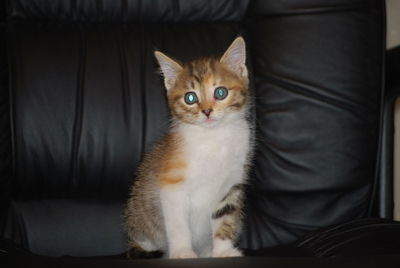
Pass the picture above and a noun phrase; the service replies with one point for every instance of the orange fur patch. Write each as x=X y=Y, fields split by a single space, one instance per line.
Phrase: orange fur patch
x=164 y=181
x=236 y=88
x=172 y=165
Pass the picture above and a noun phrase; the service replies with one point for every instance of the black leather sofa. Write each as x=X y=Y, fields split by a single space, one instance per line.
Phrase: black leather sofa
x=81 y=101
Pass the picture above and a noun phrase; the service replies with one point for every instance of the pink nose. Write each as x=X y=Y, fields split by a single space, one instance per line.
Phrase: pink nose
x=207 y=112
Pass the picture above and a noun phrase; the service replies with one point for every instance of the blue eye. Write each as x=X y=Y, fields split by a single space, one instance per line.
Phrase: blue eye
x=191 y=98
x=220 y=93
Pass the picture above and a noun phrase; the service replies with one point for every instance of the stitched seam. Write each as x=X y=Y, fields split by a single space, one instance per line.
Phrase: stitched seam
x=124 y=10
x=11 y=107
x=124 y=78
x=143 y=91
x=77 y=128
x=315 y=10
x=378 y=182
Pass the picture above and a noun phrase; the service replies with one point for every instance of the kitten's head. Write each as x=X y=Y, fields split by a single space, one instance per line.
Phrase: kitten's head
x=207 y=91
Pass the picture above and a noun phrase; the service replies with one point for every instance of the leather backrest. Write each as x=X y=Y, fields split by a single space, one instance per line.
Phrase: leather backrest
x=87 y=99
x=318 y=82
x=128 y=10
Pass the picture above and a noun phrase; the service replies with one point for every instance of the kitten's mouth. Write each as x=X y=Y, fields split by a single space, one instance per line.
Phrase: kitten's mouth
x=209 y=121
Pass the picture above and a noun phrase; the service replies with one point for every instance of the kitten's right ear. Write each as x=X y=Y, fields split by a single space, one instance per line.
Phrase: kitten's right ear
x=235 y=57
x=169 y=69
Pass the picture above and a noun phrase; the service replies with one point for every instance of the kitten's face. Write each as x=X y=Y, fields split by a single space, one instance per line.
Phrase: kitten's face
x=209 y=91
x=206 y=92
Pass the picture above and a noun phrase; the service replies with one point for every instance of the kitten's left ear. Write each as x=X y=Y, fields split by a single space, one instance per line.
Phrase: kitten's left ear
x=169 y=68
x=235 y=57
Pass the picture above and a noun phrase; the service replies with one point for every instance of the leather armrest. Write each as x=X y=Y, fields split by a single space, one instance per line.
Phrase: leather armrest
x=392 y=91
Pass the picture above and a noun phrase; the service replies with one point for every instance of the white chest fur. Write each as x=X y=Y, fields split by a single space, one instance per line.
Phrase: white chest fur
x=216 y=158
x=216 y=155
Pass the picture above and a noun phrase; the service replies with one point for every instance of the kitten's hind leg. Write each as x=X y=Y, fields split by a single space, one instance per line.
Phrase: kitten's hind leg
x=136 y=251
x=226 y=223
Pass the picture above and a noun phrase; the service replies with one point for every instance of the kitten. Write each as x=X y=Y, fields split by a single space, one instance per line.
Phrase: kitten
x=188 y=195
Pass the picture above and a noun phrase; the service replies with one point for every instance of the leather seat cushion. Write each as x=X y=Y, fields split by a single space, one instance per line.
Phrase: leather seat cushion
x=67 y=227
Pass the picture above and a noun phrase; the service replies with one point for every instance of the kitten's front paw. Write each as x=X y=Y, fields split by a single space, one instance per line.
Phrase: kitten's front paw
x=183 y=254
x=228 y=252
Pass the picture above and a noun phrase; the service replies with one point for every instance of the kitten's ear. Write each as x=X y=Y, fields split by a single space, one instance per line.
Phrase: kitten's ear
x=235 y=57
x=169 y=69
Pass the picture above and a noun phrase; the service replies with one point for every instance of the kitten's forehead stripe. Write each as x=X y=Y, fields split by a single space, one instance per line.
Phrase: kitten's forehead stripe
x=211 y=66
x=195 y=72
x=197 y=78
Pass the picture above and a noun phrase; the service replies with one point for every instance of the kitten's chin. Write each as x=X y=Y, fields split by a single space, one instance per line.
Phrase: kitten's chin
x=220 y=121
x=206 y=123
x=210 y=122
x=213 y=122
